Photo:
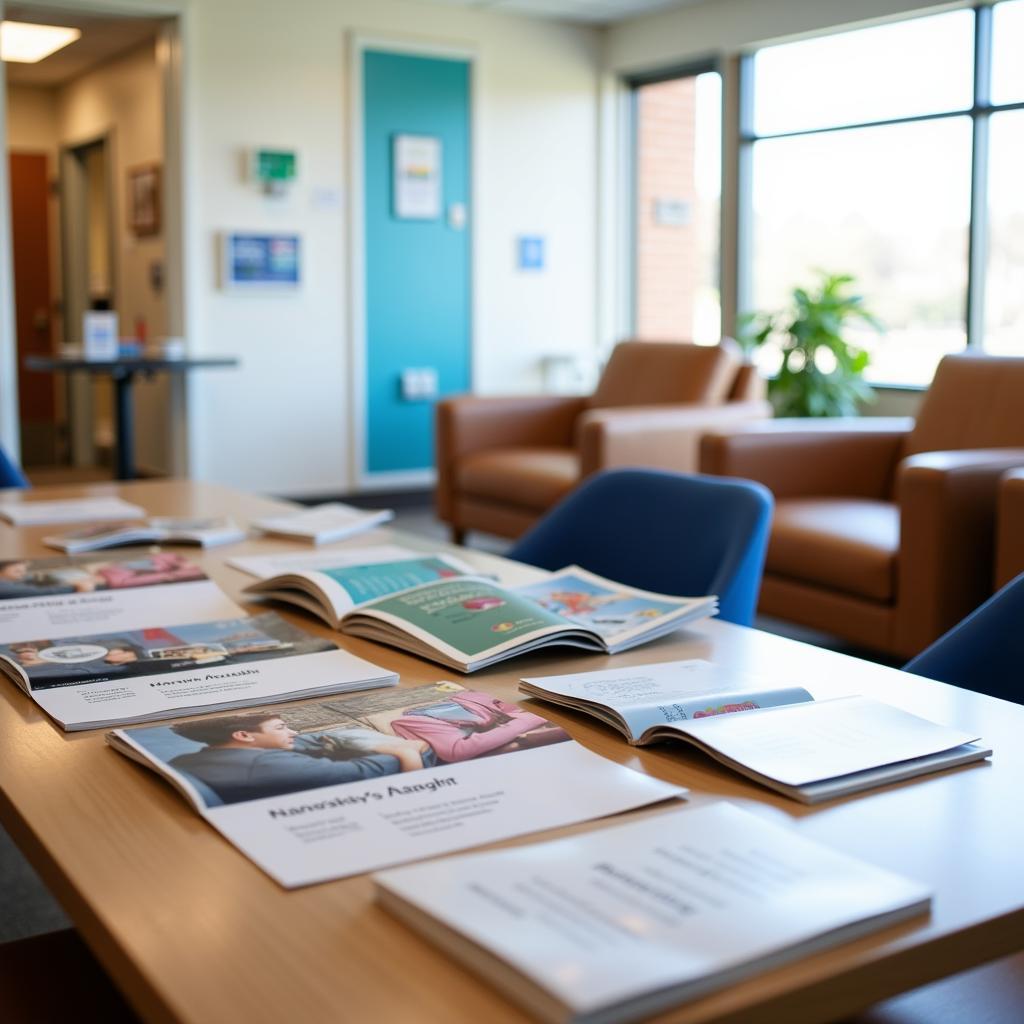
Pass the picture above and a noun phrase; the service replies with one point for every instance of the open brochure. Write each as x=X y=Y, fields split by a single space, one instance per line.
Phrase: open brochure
x=470 y=622
x=778 y=736
x=31 y=512
x=98 y=642
x=206 y=532
x=323 y=524
x=333 y=590
x=617 y=924
x=317 y=791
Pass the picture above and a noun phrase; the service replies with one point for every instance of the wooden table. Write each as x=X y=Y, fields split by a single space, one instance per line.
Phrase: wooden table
x=193 y=932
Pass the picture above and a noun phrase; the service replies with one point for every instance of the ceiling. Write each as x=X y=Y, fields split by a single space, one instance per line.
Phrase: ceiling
x=101 y=39
x=596 y=12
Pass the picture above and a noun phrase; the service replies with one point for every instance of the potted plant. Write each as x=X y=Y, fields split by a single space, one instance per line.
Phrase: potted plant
x=821 y=372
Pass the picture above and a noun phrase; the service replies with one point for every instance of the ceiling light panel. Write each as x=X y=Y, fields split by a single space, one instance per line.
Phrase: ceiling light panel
x=23 y=43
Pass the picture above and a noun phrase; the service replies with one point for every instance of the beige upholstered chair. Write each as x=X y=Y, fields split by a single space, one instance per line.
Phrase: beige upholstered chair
x=502 y=462
x=883 y=530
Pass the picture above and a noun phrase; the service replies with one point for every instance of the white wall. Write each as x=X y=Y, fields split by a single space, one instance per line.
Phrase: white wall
x=272 y=74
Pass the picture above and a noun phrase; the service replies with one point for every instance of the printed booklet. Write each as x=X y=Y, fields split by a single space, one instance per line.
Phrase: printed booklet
x=778 y=736
x=30 y=512
x=470 y=622
x=99 y=642
x=207 y=533
x=318 y=791
x=323 y=524
x=620 y=923
x=332 y=590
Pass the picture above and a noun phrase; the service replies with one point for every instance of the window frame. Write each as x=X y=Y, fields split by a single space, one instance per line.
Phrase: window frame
x=980 y=112
x=633 y=83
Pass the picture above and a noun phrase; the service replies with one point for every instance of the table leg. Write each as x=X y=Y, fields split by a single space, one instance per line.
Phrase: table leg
x=125 y=465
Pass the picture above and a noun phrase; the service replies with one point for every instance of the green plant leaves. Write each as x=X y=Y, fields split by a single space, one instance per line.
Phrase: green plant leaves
x=808 y=383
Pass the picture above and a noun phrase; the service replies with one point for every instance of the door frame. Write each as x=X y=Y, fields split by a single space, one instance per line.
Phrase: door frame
x=178 y=223
x=359 y=41
x=74 y=273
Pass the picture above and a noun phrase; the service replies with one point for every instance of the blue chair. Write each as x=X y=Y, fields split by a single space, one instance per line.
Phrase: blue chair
x=673 y=533
x=985 y=651
x=10 y=473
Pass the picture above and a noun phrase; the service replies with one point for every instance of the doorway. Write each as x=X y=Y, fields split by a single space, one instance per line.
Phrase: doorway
x=85 y=125
x=414 y=156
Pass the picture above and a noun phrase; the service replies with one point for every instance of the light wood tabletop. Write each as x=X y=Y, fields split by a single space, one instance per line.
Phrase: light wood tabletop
x=191 y=931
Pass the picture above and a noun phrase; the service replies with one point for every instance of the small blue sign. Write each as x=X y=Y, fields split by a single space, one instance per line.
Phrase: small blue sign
x=531 y=252
x=260 y=261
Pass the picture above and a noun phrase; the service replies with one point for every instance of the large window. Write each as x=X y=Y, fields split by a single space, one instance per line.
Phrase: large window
x=869 y=150
x=678 y=193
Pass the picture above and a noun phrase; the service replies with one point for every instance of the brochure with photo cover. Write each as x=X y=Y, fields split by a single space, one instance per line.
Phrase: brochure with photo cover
x=206 y=532
x=152 y=673
x=101 y=641
x=471 y=622
x=66 y=596
x=332 y=591
x=617 y=924
x=319 y=791
x=777 y=735
x=323 y=524
x=31 y=512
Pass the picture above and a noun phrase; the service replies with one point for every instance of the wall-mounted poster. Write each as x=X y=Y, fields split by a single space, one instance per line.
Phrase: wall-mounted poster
x=417 y=177
x=144 y=199
x=260 y=261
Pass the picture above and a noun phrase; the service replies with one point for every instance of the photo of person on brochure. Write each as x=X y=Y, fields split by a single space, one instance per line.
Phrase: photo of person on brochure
x=252 y=755
x=42 y=577
x=157 y=650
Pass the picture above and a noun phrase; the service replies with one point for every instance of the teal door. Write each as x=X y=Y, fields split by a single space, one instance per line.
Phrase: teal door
x=416 y=194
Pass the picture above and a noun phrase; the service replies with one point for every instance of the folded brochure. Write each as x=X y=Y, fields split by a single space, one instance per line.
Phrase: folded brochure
x=207 y=532
x=103 y=641
x=618 y=923
x=312 y=792
x=775 y=734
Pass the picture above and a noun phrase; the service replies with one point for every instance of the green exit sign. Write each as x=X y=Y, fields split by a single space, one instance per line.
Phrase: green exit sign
x=274 y=165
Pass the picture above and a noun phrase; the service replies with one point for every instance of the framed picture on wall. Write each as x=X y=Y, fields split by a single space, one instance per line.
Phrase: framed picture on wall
x=416 y=188
x=144 y=199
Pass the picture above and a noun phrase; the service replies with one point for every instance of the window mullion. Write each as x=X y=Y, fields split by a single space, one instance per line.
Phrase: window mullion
x=977 y=251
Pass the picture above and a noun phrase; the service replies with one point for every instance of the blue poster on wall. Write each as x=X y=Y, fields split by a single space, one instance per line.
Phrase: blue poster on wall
x=260 y=261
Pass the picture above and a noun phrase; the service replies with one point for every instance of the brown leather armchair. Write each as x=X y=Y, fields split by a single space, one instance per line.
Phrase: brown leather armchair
x=503 y=462
x=883 y=529
x=1010 y=528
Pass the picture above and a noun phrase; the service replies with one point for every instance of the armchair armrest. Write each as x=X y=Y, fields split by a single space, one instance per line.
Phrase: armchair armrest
x=1010 y=528
x=468 y=424
x=947 y=527
x=823 y=458
x=659 y=436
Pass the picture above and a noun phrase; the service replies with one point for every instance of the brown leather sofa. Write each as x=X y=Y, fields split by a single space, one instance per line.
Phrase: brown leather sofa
x=503 y=462
x=1010 y=528
x=884 y=529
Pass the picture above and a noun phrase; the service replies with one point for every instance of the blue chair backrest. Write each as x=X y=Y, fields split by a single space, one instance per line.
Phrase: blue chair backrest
x=10 y=473
x=673 y=533
x=984 y=652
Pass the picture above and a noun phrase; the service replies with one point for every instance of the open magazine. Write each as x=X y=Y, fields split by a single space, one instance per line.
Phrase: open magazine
x=205 y=532
x=469 y=622
x=778 y=736
x=317 y=791
x=332 y=588
x=325 y=523
x=98 y=642
x=617 y=924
